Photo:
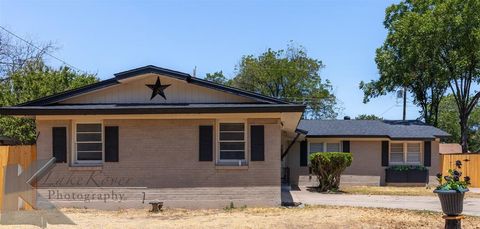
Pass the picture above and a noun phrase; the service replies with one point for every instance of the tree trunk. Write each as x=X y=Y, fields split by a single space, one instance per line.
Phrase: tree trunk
x=464 y=132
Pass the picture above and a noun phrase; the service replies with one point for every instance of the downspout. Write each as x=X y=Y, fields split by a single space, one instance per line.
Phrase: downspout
x=299 y=132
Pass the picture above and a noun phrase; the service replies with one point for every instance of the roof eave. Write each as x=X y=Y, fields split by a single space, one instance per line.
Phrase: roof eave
x=426 y=138
x=70 y=93
x=26 y=111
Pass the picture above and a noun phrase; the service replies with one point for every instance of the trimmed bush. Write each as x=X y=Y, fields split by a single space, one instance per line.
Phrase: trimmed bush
x=328 y=167
x=408 y=167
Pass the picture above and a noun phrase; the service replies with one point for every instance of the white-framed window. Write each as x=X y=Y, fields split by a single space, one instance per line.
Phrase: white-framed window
x=413 y=153
x=396 y=153
x=327 y=146
x=405 y=153
x=232 y=141
x=88 y=142
x=315 y=147
x=333 y=147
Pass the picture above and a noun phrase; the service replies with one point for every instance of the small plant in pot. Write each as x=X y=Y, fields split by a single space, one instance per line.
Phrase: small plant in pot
x=451 y=190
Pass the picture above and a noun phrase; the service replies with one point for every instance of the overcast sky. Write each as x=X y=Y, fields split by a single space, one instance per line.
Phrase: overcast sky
x=106 y=37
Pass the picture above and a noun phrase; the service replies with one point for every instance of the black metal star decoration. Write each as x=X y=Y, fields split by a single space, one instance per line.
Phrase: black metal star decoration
x=157 y=89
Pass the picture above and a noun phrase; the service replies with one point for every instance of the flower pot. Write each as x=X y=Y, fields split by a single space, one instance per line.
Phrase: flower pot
x=452 y=201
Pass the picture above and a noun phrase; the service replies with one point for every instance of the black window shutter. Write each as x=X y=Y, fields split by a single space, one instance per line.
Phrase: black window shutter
x=205 y=143
x=427 y=153
x=384 y=153
x=111 y=144
x=303 y=153
x=59 y=144
x=346 y=146
x=257 y=143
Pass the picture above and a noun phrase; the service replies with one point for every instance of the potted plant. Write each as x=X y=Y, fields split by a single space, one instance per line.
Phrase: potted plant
x=451 y=190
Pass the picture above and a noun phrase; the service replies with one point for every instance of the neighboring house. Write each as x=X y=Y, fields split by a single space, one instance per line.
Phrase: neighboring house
x=161 y=134
x=450 y=148
x=375 y=145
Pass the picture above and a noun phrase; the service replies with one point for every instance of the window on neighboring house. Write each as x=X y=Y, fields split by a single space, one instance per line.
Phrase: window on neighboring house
x=413 y=153
x=405 y=153
x=333 y=147
x=89 y=142
x=316 y=147
x=232 y=141
x=396 y=153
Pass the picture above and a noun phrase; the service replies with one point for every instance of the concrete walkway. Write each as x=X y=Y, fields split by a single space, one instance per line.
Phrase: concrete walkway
x=430 y=203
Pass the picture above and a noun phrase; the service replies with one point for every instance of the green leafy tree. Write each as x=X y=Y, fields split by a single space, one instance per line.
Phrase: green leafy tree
x=218 y=77
x=432 y=44
x=34 y=80
x=459 y=30
x=407 y=60
x=290 y=75
x=368 y=117
x=448 y=121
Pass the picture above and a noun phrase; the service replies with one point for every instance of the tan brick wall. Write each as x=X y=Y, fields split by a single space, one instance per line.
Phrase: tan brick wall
x=435 y=159
x=293 y=162
x=118 y=198
x=44 y=140
x=162 y=154
x=367 y=158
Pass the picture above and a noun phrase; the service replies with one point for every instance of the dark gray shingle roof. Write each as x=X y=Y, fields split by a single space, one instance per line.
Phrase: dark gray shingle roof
x=393 y=129
x=158 y=108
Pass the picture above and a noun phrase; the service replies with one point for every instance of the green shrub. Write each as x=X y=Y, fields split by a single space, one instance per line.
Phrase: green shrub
x=407 y=167
x=328 y=167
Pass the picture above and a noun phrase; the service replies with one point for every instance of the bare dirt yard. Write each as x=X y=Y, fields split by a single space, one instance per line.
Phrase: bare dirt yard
x=307 y=217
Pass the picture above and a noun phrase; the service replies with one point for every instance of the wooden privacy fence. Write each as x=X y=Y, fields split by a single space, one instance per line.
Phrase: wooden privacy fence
x=23 y=155
x=470 y=166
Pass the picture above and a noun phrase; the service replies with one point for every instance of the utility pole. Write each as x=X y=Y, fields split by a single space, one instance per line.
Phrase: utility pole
x=404 y=103
x=195 y=71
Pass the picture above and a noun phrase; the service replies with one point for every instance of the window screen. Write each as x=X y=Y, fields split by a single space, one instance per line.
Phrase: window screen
x=396 y=154
x=333 y=147
x=413 y=153
x=316 y=147
x=89 y=143
x=232 y=141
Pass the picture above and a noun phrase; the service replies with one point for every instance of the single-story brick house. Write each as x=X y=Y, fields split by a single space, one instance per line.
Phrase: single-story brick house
x=375 y=146
x=154 y=133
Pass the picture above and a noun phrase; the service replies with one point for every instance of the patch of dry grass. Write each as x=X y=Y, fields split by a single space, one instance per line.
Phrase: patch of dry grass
x=308 y=217
x=389 y=190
